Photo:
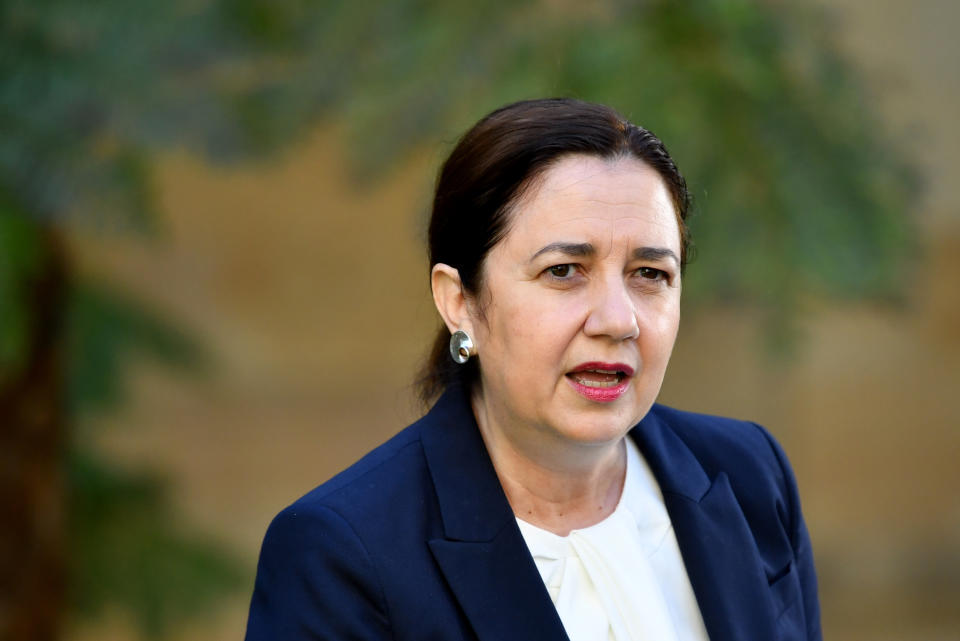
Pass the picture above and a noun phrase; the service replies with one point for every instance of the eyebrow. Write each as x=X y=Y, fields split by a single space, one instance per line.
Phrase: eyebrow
x=568 y=249
x=586 y=249
x=655 y=253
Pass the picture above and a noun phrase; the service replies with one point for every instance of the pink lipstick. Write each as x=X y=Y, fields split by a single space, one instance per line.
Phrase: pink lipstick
x=600 y=382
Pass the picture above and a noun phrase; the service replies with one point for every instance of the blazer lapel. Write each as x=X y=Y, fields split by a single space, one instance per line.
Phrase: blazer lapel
x=482 y=554
x=716 y=544
x=502 y=596
x=490 y=571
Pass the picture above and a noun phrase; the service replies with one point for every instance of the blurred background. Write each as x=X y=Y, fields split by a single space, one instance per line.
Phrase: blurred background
x=214 y=294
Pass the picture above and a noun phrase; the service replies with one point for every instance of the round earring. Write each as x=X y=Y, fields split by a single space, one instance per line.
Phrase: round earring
x=461 y=347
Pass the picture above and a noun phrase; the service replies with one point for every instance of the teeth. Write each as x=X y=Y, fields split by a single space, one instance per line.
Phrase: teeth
x=587 y=383
x=605 y=371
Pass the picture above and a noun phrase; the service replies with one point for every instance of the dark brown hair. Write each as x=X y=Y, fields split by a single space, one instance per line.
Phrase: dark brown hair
x=491 y=167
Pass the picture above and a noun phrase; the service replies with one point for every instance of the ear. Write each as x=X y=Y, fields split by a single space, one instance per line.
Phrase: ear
x=449 y=298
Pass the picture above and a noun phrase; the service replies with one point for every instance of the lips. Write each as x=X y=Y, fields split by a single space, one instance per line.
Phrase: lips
x=600 y=382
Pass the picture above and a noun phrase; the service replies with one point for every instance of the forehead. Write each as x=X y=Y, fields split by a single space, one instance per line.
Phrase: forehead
x=586 y=198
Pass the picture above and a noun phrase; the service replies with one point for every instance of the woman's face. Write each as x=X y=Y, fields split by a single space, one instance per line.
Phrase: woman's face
x=580 y=302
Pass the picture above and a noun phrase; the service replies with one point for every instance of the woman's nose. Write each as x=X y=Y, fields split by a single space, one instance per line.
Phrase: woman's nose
x=612 y=312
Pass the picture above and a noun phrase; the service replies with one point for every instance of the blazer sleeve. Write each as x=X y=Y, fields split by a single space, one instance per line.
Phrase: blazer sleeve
x=315 y=581
x=800 y=541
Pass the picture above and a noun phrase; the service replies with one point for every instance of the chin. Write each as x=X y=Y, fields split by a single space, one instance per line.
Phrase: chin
x=596 y=429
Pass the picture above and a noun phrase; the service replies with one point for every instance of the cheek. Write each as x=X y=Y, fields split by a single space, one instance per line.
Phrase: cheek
x=531 y=333
x=663 y=333
x=659 y=320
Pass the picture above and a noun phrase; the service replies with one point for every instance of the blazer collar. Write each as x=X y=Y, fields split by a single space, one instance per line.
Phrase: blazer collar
x=472 y=503
x=718 y=548
x=467 y=485
x=677 y=469
x=483 y=555
x=485 y=560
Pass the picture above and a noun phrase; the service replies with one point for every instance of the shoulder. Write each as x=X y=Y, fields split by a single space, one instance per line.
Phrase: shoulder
x=765 y=489
x=350 y=558
x=748 y=455
x=377 y=484
x=728 y=445
x=324 y=569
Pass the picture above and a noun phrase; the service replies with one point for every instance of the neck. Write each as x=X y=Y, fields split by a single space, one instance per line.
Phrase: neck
x=549 y=481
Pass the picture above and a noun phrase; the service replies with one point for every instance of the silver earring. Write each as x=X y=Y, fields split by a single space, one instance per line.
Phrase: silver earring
x=461 y=347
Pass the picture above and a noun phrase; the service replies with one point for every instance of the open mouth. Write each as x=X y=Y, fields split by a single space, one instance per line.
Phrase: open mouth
x=601 y=382
x=598 y=378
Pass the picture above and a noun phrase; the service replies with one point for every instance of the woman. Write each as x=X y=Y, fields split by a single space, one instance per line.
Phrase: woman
x=545 y=495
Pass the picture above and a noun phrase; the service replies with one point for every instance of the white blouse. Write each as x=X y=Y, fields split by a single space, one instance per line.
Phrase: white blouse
x=622 y=579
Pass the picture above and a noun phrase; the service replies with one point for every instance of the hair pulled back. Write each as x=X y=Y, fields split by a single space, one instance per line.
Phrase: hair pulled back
x=489 y=170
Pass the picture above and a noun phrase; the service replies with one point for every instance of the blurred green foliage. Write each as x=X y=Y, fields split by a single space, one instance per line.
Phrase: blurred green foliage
x=107 y=327
x=128 y=552
x=798 y=192
x=20 y=254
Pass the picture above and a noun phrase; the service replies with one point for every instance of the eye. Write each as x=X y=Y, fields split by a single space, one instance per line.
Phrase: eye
x=562 y=271
x=652 y=273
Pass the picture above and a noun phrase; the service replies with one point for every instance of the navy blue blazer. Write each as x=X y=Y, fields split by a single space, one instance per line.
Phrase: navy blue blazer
x=416 y=541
